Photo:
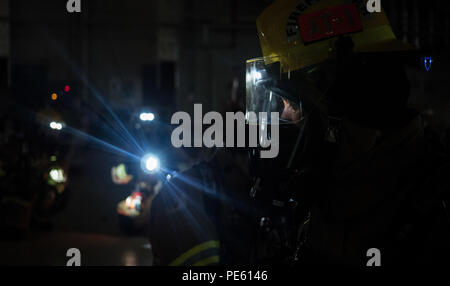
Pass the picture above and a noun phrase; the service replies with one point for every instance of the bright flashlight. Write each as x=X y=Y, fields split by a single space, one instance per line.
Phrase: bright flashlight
x=150 y=163
x=57 y=175
x=56 y=125
x=147 y=116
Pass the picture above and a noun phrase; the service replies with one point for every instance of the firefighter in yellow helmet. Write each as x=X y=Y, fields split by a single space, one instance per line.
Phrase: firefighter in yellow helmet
x=353 y=172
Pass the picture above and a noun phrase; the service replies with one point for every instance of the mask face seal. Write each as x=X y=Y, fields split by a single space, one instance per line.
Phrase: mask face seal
x=265 y=99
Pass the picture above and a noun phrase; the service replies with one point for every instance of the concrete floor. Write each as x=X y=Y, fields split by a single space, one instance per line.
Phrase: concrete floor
x=89 y=223
x=50 y=249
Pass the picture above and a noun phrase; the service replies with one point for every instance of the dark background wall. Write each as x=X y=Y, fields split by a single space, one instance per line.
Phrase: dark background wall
x=170 y=52
x=173 y=53
x=4 y=45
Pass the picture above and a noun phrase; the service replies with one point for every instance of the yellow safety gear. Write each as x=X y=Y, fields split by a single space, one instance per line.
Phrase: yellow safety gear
x=281 y=40
x=212 y=244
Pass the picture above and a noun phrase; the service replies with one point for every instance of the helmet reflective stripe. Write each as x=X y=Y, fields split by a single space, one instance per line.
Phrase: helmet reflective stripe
x=208 y=261
x=198 y=249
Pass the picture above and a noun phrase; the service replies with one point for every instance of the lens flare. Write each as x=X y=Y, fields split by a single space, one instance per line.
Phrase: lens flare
x=150 y=163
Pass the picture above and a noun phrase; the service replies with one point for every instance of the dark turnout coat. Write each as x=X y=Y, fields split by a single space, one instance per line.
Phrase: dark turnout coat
x=391 y=199
x=192 y=219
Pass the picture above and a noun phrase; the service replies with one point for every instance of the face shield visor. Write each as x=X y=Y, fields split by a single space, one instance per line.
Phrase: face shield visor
x=274 y=102
x=264 y=97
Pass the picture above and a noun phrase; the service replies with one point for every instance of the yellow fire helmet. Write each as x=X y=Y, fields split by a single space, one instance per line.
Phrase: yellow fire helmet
x=301 y=33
